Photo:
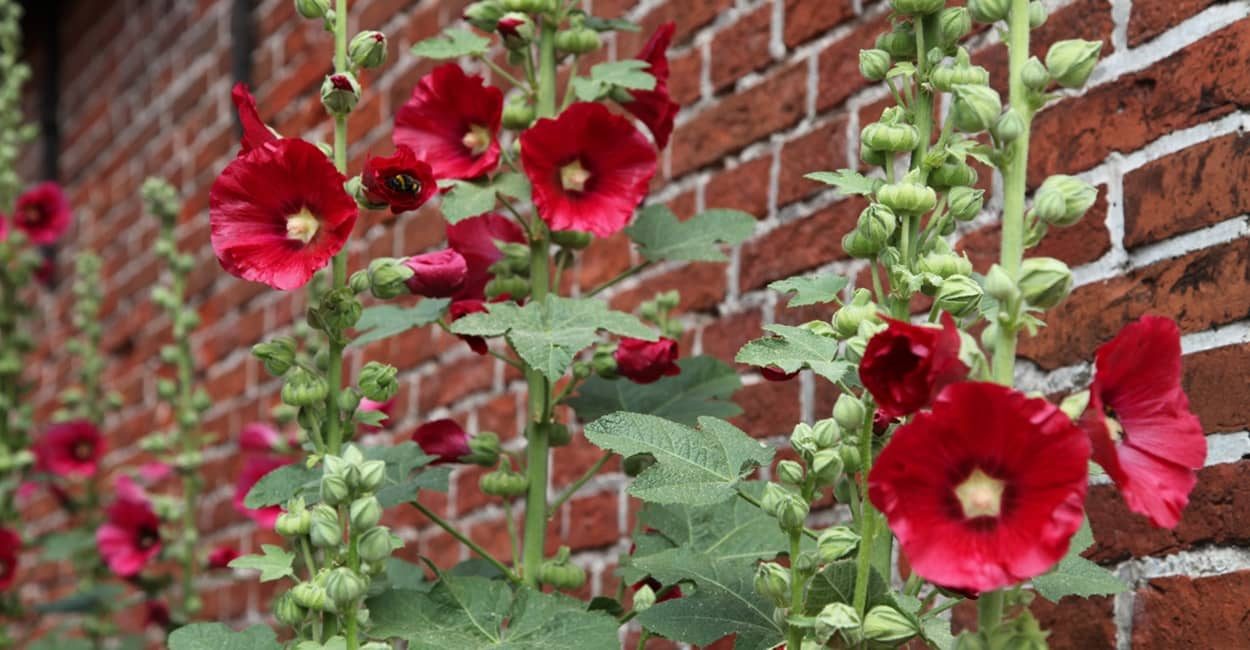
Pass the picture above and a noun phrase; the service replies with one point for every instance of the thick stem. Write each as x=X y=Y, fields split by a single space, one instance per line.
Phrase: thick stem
x=334 y=374
x=794 y=635
x=867 y=519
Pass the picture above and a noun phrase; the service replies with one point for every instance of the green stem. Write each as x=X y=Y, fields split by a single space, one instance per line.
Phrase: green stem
x=464 y=539
x=499 y=70
x=868 y=519
x=794 y=634
x=923 y=108
x=571 y=489
x=756 y=502
x=514 y=545
x=642 y=639
x=334 y=374
x=624 y=275
x=349 y=622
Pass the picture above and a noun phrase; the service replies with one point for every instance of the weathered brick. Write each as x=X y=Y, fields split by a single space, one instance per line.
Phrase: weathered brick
x=741 y=48
x=799 y=245
x=823 y=149
x=744 y=187
x=1149 y=18
x=807 y=19
x=1181 y=613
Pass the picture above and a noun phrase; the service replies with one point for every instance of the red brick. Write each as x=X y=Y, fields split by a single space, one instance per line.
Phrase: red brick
x=838 y=65
x=1149 y=18
x=824 y=149
x=1181 y=613
x=798 y=246
x=770 y=408
x=1082 y=243
x=1215 y=381
x=723 y=338
x=806 y=19
x=744 y=187
x=742 y=47
x=702 y=287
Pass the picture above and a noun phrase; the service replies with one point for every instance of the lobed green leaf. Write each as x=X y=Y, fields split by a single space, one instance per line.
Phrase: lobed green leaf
x=660 y=235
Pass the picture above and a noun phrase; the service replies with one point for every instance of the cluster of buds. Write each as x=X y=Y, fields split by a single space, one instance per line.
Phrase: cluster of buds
x=88 y=400
x=367 y=50
x=511 y=273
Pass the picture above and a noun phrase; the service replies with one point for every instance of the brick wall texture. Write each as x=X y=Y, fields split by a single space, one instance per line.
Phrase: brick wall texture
x=770 y=91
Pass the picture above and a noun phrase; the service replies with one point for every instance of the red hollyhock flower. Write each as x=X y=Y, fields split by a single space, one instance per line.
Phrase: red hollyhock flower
x=70 y=449
x=156 y=614
x=772 y=373
x=400 y=181
x=1139 y=421
x=462 y=308
x=440 y=274
x=656 y=108
x=43 y=213
x=255 y=132
x=644 y=362
x=10 y=549
x=452 y=122
x=4 y=227
x=476 y=240
x=279 y=213
x=905 y=365
x=130 y=536
x=385 y=408
x=589 y=168
x=260 y=437
x=443 y=438
x=254 y=469
x=984 y=491
x=221 y=556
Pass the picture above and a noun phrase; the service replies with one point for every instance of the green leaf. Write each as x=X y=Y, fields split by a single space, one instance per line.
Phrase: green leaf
x=274 y=564
x=849 y=183
x=401 y=574
x=693 y=466
x=703 y=388
x=453 y=43
x=433 y=478
x=384 y=321
x=661 y=236
x=467 y=200
x=58 y=642
x=937 y=631
x=216 y=636
x=836 y=584
x=811 y=289
x=610 y=24
x=630 y=74
x=724 y=602
x=1077 y=576
x=793 y=348
x=548 y=334
x=400 y=485
x=513 y=185
x=97 y=598
x=65 y=545
x=469 y=613
x=278 y=486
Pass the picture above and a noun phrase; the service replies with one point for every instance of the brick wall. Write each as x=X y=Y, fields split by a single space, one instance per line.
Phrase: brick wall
x=771 y=91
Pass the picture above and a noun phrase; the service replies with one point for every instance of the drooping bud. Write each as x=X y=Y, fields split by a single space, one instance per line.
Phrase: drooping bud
x=277 y=355
x=344 y=586
x=1063 y=200
x=1009 y=127
x=961 y=72
x=1037 y=14
x=377 y=381
x=891 y=137
x=965 y=203
x=389 y=277
x=988 y=11
x=560 y=573
x=367 y=49
x=312 y=9
x=365 y=513
x=375 y=544
x=952 y=173
x=287 y=611
x=295 y=523
x=572 y=239
x=836 y=543
x=1071 y=62
x=792 y=512
x=504 y=482
x=825 y=433
x=1044 y=281
x=885 y=624
x=518 y=113
x=773 y=582
x=874 y=64
x=517 y=29
x=976 y=108
x=907 y=197
x=310 y=596
x=326 y=531
x=790 y=472
x=340 y=92
x=959 y=294
x=847 y=319
x=954 y=23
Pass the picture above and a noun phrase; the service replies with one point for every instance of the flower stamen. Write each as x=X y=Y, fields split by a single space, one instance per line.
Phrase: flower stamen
x=477 y=140
x=980 y=495
x=302 y=226
x=573 y=177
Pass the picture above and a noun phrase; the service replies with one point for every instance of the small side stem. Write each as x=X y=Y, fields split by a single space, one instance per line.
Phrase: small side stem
x=624 y=275
x=576 y=485
x=464 y=539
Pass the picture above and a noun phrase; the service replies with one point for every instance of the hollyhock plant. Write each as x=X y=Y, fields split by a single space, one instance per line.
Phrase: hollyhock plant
x=589 y=168
x=655 y=107
x=385 y=408
x=43 y=213
x=440 y=274
x=443 y=438
x=964 y=492
x=254 y=469
x=70 y=449
x=130 y=537
x=645 y=362
x=461 y=308
x=477 y=240
x=452 y=122
x=401 y=180
x=10 y=552
x=905 y=365
x=1138 y=418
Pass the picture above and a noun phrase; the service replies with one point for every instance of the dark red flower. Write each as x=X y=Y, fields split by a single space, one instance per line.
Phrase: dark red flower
x=156 y=614
x=254 y=469
x=905 y=365
x=385 y=408
x=452 y=122
x=10 y=551
x=440 y=274
x=984 y=491
x=657 y=587
x=400 y=181
x=279 y=213
x=477 y=240
x=772 y=373
x=443 y=438
x=644 y=362
x=43 y=213
x=255 y=132
x=656 y=107
x=589 y=169
x=221 y=556
x=4 y=227
x=130 y=536
x=70 y=449
x=1139 y=421
x=462 y=308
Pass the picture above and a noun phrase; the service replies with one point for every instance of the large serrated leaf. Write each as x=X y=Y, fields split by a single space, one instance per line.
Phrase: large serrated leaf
x=281 y=484
x=216 y=636
x=398 y=486
x=384 y=321
x=703 y=388
x=693 y=466
x=453 y=43
x=547 y=334
x=794 y=348
x=660 y=235
x=849 y=183
x=1077 y=576
x=630 y=74
x=274 y=563
x=811 y=289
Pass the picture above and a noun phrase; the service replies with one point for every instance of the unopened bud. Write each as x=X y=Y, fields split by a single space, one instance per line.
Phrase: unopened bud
x=836 y=543
x=988 y=11
x=312 y=9
x=917 y=7
x=773 y=582
x=874 y=64
x=644 y=598
x=790 y=472
x=890 y=137
x=517 y=29
x=377 y=381
x=334 y=489
x=1063 y=200
x=340 y=92
x=578 y=40
x=1037 y=14
x=792 y=512
x=483 y=449
x=952 y=173
x=1000 y=286
x=287 y=611
x=293 y=524
x=365 y=513
x=954 y=23
x=504 y=482
x=277 y=355
x=849 y=412
x=367 y=49
x=836 y=617
x=310 y=596
x=885 y=624
x=303 y=388
x=375 y=544
x=847 y=319
x=325 y=531
x=907 y=197
x=1071 y=62
x=826 y=466
x=1044 y=281
x=976 y=108
x=900 y=42
x=484 y=15
x=959 y=294
x=372 y=473
x=388 y=278
x=518 y=113
x=961 y=72
x=1009 y=127
x=344 y=586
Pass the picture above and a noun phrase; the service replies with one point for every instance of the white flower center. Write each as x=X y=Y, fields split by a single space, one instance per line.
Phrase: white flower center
x=980 y=495
x=477 y=140
x=302 y=226
x=573 y=177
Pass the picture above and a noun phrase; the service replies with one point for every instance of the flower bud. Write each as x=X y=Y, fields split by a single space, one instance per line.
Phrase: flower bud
x=917 y=7
x=976 y=108
x=483 y=449
x=790 y=472
x=312 y=9
x=293 y=524
x=885 y=624
x=644 y=598
x=847 y=319
x=826 y=466
x=773 y=582
x=1044 y=281
x=287 y=611
x=325 y=531
x=518 y=113
x=836 y=617
x=899 y=43
x=792 y=512
x=367 y=49
x=303 y=388
x=372 y=474
x=962 y=72
x=952 y=173
x=344 y=586
x=988 y=11
x=603 y=362
x=1009 y=127
x=340 y=92
x=944 y=264
x=514 y=287
x=310 y=596
x=774 y=494
x=578 y=40
x=334 y=489
x=517 y=30
x=1000 y=286
x=484 y=15
x=389 y=277
x=504 y=482
x=1071 y=62
x=836 y=543
x=277 y=355
x=560 y=573
x=365 y=513
x=375 y=544
x=1037 y=14
x=954 y=23
x=874 y=64
x=377 y=381
x=906 y=197
x=528 y=6
x=1063 y=200
x=959 y=294
x=849 y=412
x=890 y=137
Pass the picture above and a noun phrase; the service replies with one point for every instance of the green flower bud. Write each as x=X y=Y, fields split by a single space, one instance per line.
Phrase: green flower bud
x=1071 y=62
x=287 y=611
x=560 y=573
x=874 y=64
x=518 y=114
x=603 y=362
x=514 y=287
x=338 y=310
x=877 y=224
x=377 y=381
x=1044 y=281
x=945 y=264
x=375 y=544
x=372 y=473
x=988 y=11
x=367 y=49
x=900 y=42
x=517 y=29
x=293 y=524
x=790 y=472
x=572 y=239
x=365 y=513
x=1009 y=127
x=335 y=489
x=578 y=40
x=858 y=246
x=885 y=624
x=773 y=582
x=303 y=388
x=484 y=15
x=340 y=92
x=312 y=9
x=976 y=108
x=1037 y=14
x=954 y=24
x=907 y=197
x=277 y=355
x=528 y=6
x=917 y=7
x=890 y=137
x=847 y=319
x=1074 y=195
x=325 y=531
x=836 y=543
x=775 y=494
x=644 y=598
x=871 y=156
x=166 y=388
x=952 y=173
x=1035 y=75
x=837 y=617
x=344 y=586
x=388 y=277
x=483 y=449
x=792 y=512
x=849 y=412
x=825 y=433
x=1000 y=286
x=310 y=596
x=959 y=294
x=504 y=482
x=637 y=464
x=826 y=466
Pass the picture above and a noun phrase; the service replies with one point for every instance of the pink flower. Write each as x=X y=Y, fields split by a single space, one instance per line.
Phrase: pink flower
x=260 y=437
x=440 y=274
x=130 y=536
x=443 y=438
x=154 y=472
x=452 y=123
x=43 y=213
x=221 y=556
x=70 y=449
x=385 y=408
x=254 y=469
